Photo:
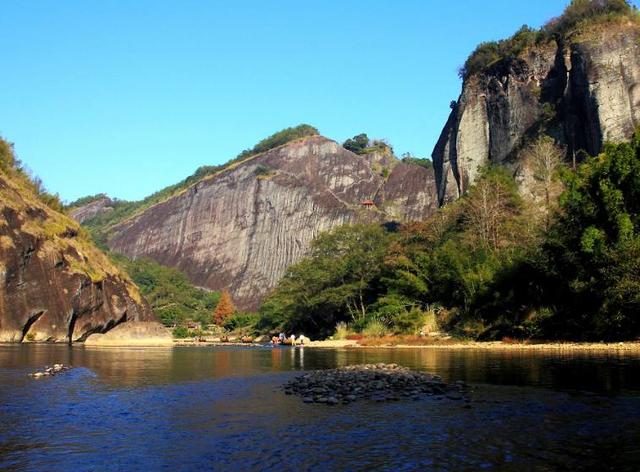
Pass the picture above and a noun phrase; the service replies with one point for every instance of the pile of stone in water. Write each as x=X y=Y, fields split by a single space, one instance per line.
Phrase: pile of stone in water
x=49 y=371
x=377 y=382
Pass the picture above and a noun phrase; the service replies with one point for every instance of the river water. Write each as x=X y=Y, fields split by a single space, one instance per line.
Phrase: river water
x=205 y=408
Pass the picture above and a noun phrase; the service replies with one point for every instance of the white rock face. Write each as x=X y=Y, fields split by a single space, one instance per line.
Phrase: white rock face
x=472 y=140
x=241 y=230
x=611 y=63
x=584 y=93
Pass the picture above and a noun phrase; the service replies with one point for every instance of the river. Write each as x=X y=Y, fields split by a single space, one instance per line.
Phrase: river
x=207 y=408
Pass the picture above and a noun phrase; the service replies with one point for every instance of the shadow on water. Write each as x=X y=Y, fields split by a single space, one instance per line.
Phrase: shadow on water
x=599 y=372
x=189 y=408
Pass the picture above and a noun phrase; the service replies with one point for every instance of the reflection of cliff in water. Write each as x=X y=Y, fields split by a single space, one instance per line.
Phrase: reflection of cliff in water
x=599 y=372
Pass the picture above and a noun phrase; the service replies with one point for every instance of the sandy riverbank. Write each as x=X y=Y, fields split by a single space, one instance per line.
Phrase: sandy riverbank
x=496 y=345
x=627 y=347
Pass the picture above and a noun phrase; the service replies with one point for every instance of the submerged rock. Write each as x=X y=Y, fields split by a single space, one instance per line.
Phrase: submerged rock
x=376 y=382
x=50 y=371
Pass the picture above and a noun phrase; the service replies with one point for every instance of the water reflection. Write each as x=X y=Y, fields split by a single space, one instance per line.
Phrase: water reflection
x=222 y=408
x=609 y=372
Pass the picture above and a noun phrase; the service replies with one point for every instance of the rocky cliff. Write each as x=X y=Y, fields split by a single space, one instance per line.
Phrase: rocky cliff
x=582 y=90
x=92 y=209
x=54 y=284
x=242 y=227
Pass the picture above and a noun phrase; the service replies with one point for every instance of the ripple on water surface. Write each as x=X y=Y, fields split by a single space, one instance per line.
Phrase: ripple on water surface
x=191 y=408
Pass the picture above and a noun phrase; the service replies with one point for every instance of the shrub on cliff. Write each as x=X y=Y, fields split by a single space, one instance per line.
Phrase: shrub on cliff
x=278 y=139
x=357 y=144
x=580 y=12
x=408 y=158
x=361 y=144
x=577 y=15
x=492 y=52
x=7 y=157
x=86 y=200
x=12 y=166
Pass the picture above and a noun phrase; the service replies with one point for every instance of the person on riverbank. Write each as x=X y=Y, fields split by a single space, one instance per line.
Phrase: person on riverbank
x=293 y=339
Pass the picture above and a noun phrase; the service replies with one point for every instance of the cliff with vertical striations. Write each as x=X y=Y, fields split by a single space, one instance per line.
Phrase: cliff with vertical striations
x=583 y=90
x=242 y=227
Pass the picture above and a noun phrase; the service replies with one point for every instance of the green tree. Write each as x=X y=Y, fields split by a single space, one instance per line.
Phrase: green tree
x=173 y=298
x=357 y=144
x=591 y=256
x=335 y=283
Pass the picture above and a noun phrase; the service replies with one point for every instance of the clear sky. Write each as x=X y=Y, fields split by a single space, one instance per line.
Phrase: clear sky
x=126 y=97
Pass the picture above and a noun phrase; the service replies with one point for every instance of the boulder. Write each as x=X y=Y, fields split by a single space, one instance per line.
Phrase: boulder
x=133 y=334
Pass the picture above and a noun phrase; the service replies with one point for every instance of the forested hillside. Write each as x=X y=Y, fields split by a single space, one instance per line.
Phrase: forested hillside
x=492 y=264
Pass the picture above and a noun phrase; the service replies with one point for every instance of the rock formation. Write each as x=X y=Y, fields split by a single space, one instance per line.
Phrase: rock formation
x=582 y=91
x=133 y=333
x=91 y=209
x=54 y=284
x=242 y=227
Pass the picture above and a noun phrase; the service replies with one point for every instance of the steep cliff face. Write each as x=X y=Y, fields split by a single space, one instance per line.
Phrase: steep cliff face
x=582 y=91
x=54 y=284
x=240 y=229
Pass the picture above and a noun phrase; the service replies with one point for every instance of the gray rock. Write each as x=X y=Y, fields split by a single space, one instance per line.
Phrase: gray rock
x=376 y=382
x=594 y=79
x=240 y=231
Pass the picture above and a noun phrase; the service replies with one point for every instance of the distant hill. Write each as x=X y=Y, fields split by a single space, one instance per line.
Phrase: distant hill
x=241 y=226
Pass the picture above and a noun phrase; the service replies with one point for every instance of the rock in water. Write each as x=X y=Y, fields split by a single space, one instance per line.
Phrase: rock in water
x=376 y=382
x=50 y=371
x=133 y=334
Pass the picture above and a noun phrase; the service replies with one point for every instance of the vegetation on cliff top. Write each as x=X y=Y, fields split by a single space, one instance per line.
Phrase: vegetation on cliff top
x=487 y=266
x=99 y=226
x=408 y=158
x=11 y=166
x=41 y=216
x=361 y=144
x=86 y=200
x=579 y=15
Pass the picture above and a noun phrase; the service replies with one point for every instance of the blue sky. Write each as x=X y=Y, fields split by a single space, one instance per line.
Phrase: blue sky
x=126 y=97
